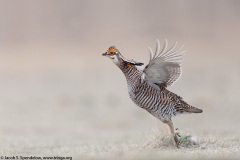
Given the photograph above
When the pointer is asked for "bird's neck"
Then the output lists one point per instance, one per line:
(131, 74)
(127, 68)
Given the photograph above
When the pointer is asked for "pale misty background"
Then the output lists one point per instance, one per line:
(55, 84)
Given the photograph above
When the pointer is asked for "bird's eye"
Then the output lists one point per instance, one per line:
(112, 53)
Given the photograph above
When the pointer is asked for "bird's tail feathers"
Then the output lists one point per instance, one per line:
(192, 109)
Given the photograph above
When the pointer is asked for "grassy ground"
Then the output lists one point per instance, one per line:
(155, 146)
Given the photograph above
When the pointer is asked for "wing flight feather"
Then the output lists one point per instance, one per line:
(164, 66)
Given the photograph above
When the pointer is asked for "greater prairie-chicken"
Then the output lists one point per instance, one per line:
(147, 87)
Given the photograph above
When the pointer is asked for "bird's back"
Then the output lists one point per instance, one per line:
(162, 103)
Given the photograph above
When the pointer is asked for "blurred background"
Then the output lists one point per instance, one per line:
(56, 85)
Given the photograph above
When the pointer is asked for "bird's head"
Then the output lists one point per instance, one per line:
(118, 59)
(113, 54)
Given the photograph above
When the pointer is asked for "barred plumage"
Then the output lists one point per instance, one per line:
(147, 88)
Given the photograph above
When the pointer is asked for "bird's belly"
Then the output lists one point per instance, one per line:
(151, 104)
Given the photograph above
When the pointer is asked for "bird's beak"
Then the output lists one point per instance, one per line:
(104, 54)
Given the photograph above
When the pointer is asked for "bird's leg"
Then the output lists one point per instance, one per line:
(175, 135)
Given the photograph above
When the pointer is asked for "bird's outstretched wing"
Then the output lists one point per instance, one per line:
(164, 66)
